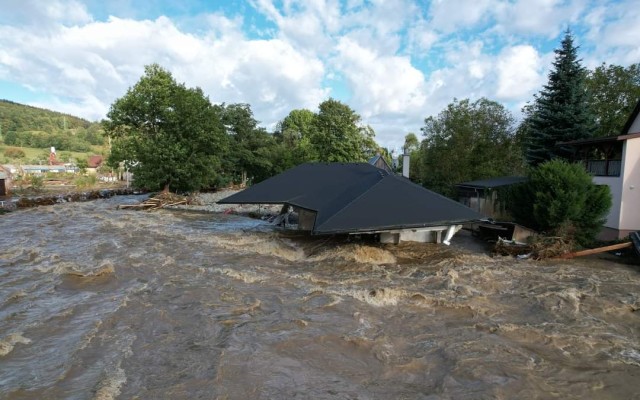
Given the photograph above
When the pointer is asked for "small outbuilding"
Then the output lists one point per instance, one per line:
(5, 181)
(483, 195)
(359, 198)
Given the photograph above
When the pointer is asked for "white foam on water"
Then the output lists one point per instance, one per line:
(109, 388)
(8, 343)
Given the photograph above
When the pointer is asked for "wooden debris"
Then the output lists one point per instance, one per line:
(541, 247)
(587, 252)
(161, 200)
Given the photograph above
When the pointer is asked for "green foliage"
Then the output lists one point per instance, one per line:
(467, 141)
(36, 182)
(293, 135)
(613, 93)
(337, 135)
(560, 197)
(28, 126)
(252, 147)
(13, 152)
(561, 111)
(170, 136)
(85, 181)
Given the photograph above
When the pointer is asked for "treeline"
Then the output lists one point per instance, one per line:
(171, 137)
(27, 126)
(472, 140)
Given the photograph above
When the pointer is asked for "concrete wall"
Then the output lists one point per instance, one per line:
(630, 204)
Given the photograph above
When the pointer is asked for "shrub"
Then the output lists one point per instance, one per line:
(85, 181)
(13, 152)
(37, 182)
(560, 198)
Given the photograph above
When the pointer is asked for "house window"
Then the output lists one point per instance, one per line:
(604, 167)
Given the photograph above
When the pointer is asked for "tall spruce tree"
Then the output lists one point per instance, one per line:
(561, 111)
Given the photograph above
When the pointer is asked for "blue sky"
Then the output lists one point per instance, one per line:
(394, 62)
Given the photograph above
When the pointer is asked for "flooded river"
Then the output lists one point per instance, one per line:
(100, 303)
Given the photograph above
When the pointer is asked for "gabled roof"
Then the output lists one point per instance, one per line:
(493, 182)
(355, 197)
(94, 161)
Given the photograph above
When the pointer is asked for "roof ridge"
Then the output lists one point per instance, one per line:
(353, 200)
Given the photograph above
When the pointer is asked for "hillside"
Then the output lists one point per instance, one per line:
(27, 126)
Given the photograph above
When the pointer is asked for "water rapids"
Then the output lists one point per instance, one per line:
(100, 303)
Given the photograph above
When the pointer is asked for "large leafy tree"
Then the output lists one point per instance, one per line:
(170, 135)
(560, 198)
(294, 135)
(337, 135)
(468, 141)
(250, 157)
(561, 111)
(613, 93)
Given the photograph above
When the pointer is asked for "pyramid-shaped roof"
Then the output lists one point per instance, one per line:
(355, 197)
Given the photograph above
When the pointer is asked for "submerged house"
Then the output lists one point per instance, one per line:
(359, 198)
(615, 161)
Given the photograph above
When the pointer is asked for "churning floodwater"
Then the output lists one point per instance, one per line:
(101, 303)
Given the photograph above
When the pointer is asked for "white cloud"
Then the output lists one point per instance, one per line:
(89, 66)
(397, 61)
(520, 72)
(450, 15)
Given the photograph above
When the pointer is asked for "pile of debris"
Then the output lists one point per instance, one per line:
(541, 247)
(161, 200)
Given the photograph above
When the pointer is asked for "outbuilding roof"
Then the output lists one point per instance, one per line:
(355, 197)
(493, 182)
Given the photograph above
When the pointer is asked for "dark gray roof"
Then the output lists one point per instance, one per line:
(493, 182)
(355, 197)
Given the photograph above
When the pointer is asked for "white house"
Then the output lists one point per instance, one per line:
(615, 161)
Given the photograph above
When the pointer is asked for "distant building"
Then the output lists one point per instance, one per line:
(42, 169)
(615, 161)
(380, 162)
(93, 163)
(5, 181)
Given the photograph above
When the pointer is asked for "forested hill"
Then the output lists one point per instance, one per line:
(22, 125)
(19, 117)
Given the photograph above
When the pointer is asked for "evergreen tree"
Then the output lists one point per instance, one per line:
(561, 111)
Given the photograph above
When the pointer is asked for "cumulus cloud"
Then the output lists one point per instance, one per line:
(394, 63)
(91, 65)
(520, 72)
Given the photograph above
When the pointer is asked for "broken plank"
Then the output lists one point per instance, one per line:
(596, 250)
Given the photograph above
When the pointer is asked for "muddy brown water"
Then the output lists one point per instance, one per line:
(100, 303)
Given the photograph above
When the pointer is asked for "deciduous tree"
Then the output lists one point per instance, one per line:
(337, 135)
(613, 91)
(170, 135)
(468, 141)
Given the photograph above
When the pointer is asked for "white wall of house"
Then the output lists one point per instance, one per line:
(615, 184)
(630, 187)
